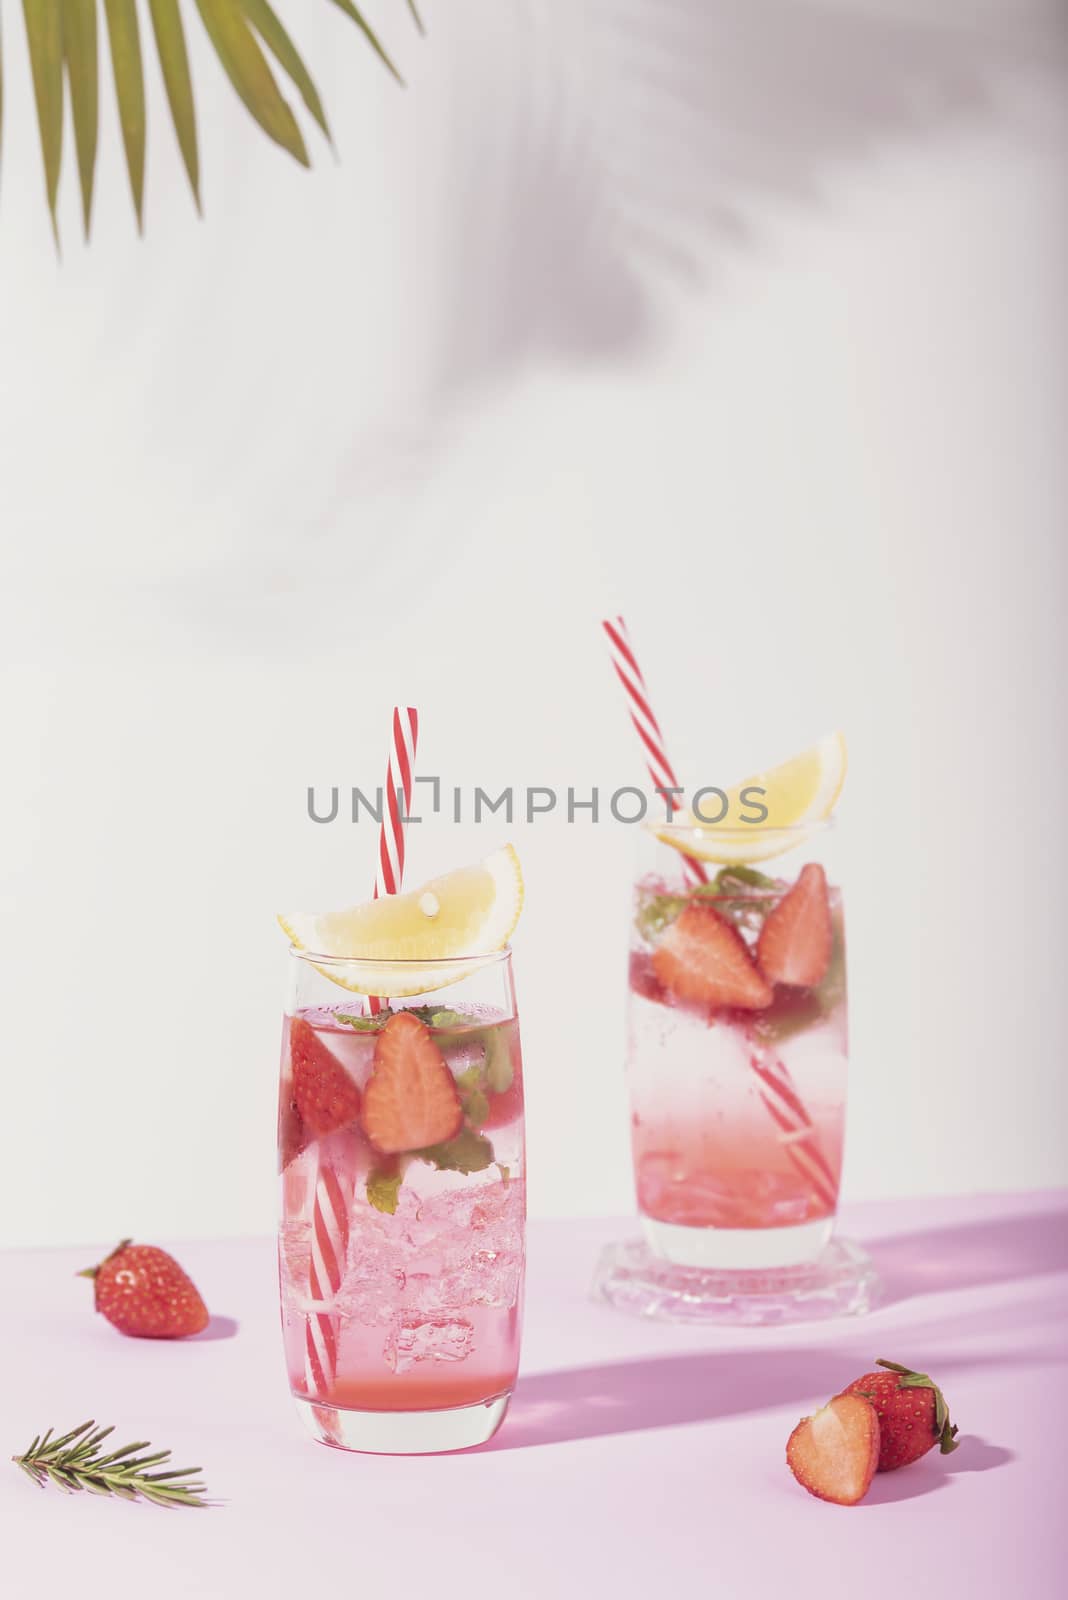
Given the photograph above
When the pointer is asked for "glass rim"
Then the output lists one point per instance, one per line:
(405, 963)
(734, 830)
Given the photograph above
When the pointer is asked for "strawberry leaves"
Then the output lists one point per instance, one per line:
(907, 1379)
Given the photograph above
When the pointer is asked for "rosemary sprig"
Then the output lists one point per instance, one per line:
(74, 1462)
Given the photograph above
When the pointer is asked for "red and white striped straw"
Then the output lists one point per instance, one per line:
(400, 778)
(400, 775)
(647, 728)
(797, 1132)
(784, 1105)
(333, 1191)
(329, 1248)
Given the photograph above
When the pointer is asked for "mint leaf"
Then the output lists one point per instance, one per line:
(742, 895)
(468, 1152)
(449, 1019)
(497, 1065)
(735, 878)
(422, 1013)
(493, 1074)
(472, 1096)
(440, 1017)
(657, 912)
(833, 988)
(790, 1013)
(383, 1190)
(363, 1024)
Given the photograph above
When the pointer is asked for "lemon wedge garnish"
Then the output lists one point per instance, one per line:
(455, 919)
(799, 794)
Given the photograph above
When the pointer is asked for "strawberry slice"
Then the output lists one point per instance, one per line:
(643, 980)
(795, 942)
(291, 1136)
(834, 1453)
(324, 1096)
(411, 1100)
(704, 959)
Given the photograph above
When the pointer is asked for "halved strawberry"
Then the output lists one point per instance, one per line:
(324, 1095)
(291, 1136)
(703, 958)
(834, 1453)
(795, 942)
(643, 980)
(411, 1100)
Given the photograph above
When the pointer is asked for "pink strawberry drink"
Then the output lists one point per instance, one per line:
(736, 1059)
(402, 1287)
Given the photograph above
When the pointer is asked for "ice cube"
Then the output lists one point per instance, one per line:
(495, 1278)
(741, 1198)
(371, 1298)
(414, 1338)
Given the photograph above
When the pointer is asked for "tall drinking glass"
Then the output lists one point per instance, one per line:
(401, 1271)
(737, 1048)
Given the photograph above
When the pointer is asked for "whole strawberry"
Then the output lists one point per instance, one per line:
(143, 1291)
(913, 1415)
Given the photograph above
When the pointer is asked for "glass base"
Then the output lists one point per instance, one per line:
(733, 1248)
(841, 1283)
(403, 1433)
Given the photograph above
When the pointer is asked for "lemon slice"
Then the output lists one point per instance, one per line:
(454, 919)
(799, 794)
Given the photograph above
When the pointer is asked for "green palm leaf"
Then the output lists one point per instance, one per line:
(282, 48)
(369, 34)
(79, 53)
(125, 37)
(44, 35)
(174, 64)
(246, 67)
(62, 37)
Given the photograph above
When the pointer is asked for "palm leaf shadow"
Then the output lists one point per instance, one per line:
(640, 142)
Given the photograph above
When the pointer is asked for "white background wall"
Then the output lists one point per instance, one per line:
(746, 320)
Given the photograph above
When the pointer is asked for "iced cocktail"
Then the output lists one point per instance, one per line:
(736, 1051)
(401, 1244)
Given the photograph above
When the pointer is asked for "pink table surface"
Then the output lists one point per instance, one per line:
(644, 1458)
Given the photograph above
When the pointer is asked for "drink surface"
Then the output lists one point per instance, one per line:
(737, 1081)
(427, 1314)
